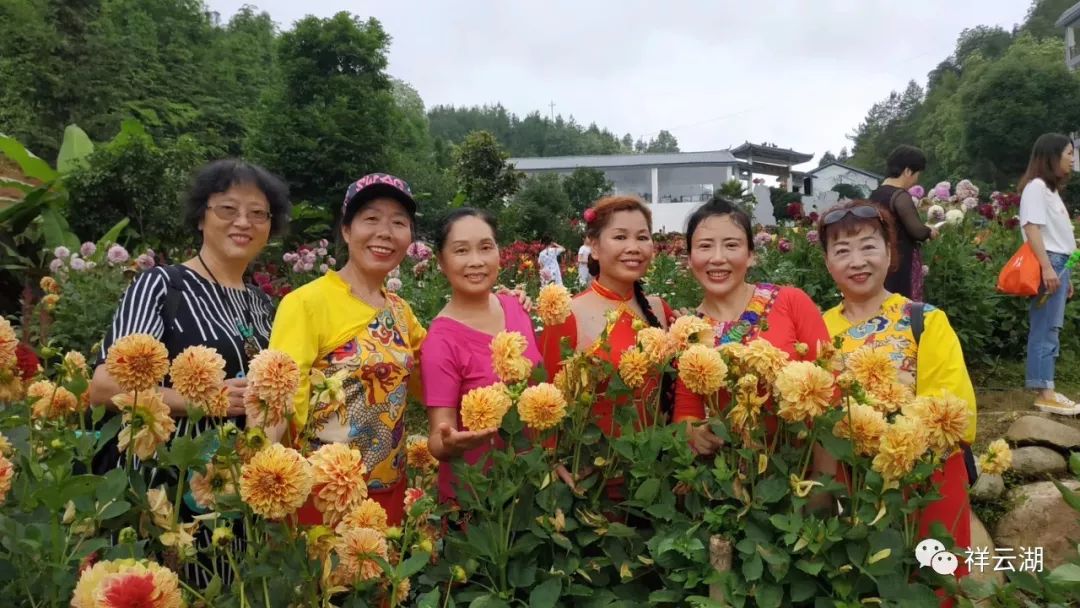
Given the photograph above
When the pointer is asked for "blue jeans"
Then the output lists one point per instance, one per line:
(1046, 319)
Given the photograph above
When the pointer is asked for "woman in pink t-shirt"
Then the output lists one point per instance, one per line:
(456, 355)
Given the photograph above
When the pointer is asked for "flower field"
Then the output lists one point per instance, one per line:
(223, 517)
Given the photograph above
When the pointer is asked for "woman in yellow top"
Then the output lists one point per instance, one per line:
(859, 242)
(345, 321)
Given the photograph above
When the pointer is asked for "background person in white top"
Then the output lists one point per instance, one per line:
(583, 254)
(1049, 229)
(549, 261)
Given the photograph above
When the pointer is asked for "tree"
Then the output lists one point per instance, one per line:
(327, 123)
(483, 173)
(584, 186)
(664, 142)
(826, 158)
(539, 209)
(844, 156)
(1008, 103)
(1041, 16)
(988, 42)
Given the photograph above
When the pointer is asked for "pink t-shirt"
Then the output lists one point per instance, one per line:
(456, 358)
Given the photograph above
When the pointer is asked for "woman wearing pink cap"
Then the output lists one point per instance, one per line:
(347, 321)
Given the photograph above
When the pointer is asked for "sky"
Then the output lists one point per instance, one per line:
(797, 73)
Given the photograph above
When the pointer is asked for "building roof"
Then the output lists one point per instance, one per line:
(601, 161)
(1069, 16)
(849, 168)
(768, 153)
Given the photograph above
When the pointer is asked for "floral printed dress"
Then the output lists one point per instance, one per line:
(373, 353)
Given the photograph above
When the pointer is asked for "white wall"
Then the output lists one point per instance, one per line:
(671, 217)
(828, 177)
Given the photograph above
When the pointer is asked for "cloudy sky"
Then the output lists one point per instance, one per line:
(715, 73)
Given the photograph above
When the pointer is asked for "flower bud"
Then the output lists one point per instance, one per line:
(222, 537)
(459, 574)
(393, 533)
(128, 536)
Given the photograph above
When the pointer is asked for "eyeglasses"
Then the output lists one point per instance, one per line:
(230, 213)
(866, 212)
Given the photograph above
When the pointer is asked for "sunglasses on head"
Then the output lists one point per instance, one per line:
(866, 212)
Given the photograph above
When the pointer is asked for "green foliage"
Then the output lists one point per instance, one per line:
(850, 191)
(329, 119)
(584, 186)
(135, 177)
(984, 105)
(483, 173)
(540, 209)
(534, 135)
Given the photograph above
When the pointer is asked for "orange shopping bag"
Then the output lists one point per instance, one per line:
(1022, 275)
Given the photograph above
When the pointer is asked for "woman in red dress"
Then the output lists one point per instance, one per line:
(618, 229)
(721, 248)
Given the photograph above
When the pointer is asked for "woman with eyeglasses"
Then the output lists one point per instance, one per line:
(721, 249)
(233, 208)
(859, 243)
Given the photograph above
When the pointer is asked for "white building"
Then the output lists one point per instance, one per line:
(825, 177)
(674, 183)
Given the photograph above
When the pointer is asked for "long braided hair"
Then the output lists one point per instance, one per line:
(597, 218)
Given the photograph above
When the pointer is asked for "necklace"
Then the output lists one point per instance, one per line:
(753, 320)
(246, 330)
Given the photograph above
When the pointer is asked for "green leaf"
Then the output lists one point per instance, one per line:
(56, 230)
(546, 594)
(488, 601)
(429, 599)
(1064, 575)
(647, 492)
(115, 509)
(771, 490)
(1074, 463)
(753, 568)
(1072, 498)
(769, 595)
(30, 165)
(414, 564)
(74, 149)
(110, 237)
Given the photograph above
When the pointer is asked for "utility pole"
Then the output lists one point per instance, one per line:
(552, 105)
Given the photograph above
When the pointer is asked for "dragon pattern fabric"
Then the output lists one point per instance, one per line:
(379, 362)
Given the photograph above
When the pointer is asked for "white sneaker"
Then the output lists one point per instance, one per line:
(1057, 407)
(1062, 399)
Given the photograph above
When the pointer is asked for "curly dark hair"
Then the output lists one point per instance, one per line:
(220, 175)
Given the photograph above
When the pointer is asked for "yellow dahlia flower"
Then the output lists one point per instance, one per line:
(945, 418)
(804, 390)
(553, 304)
(338, 480)
(702, 369)
(126, 583)
(890, 397)
(356, 550)
(216, 481)
(508, 357)
(8, 343)
(996, 460)
(198, 374)
(273, 378)
(764, 359)
(872, 367)
(690, 329)
(160, 507)
(75, 364)
(276, 481)
(864, 426)
(418, 454)
(137, 362)
(542, 406)
(483, 408)
(51, 402)
(656, 344)
(366, 514)
(149, 417)
(633, 367)
(902, 444)
(49, 285)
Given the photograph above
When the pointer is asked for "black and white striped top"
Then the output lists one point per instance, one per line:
(208, 315)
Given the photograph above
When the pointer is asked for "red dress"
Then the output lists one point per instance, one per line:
(621, 336)
(788, 317)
